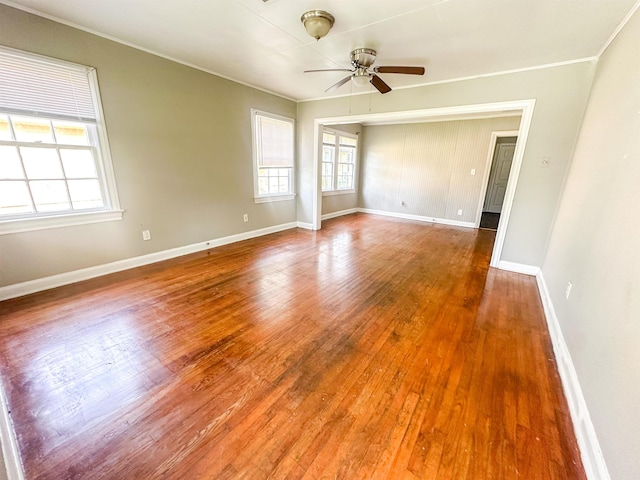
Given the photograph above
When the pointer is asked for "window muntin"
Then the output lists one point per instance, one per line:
(47, 166)
(338, 172)
(328, 160)
(273, 146)
(55, 168)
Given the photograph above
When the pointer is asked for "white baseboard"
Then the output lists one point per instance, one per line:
(339, 213)
(420, 218)
(592, 458)
(519, 268)
(305, 225)
(10, 453)
(32, 286)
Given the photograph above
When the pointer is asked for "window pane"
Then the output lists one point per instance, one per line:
(284, 172)
(328, 138)
(327, 168)
(348, 141)
(85, 194)
(14, 198)
(326, 182)
(10, 166)
(344, 182)
(70, 133)
(5, 131)
(49, 195)
(273, 184)
(345, 169)
(347, 155)
(327, 153)
(263, 186)
(78, 163)
(284, 184)
(41, 162)
(29, 129)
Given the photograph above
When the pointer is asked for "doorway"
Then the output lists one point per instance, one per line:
(497, 185)
(524, 107)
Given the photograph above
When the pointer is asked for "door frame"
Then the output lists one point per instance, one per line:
(493, 143)
(523, 107)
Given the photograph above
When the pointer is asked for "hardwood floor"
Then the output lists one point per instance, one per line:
(374, 348)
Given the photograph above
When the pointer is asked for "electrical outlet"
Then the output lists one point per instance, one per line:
(146, 235)
(473, 171)
(460, 212)
(245, 217)
(567, 292)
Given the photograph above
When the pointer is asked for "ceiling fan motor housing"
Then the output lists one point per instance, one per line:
(363, 57)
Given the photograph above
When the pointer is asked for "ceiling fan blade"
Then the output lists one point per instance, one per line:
(377, 82)
(329, 70)
(339, 84)
(405, 70)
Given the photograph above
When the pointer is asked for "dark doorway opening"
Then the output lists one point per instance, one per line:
(489, 220)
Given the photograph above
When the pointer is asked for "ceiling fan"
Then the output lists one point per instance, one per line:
(362, 59)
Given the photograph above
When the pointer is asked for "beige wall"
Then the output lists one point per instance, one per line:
(181, 147)
(596, 245)
(560, 93)
(428, 166)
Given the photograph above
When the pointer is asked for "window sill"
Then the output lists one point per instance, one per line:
(56, 221)
(330, 193)
(274, 198)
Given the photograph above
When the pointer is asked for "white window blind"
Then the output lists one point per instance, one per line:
(274, 142)
(31, 85)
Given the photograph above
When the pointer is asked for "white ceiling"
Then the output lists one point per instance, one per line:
(263, 44)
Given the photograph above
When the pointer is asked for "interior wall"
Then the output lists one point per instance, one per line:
(594, 245)
(424, 169)
(560, 92)
(180, 142)
(345, 201)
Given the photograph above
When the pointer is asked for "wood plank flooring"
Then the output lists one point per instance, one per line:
(375, 348)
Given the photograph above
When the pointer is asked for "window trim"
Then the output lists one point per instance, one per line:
(56, 221)
(112, 210)
(342, 191)
(274, 197)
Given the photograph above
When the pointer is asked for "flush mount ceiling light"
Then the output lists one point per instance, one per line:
(317, 23)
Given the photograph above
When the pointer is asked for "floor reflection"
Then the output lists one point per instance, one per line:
(87, 373)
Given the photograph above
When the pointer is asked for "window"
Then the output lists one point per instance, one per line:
(54, 164)
(338, 171)
(273, 147)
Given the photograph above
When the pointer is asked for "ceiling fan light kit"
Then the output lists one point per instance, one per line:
(362, 59)
(317, 23)
(361, 79)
